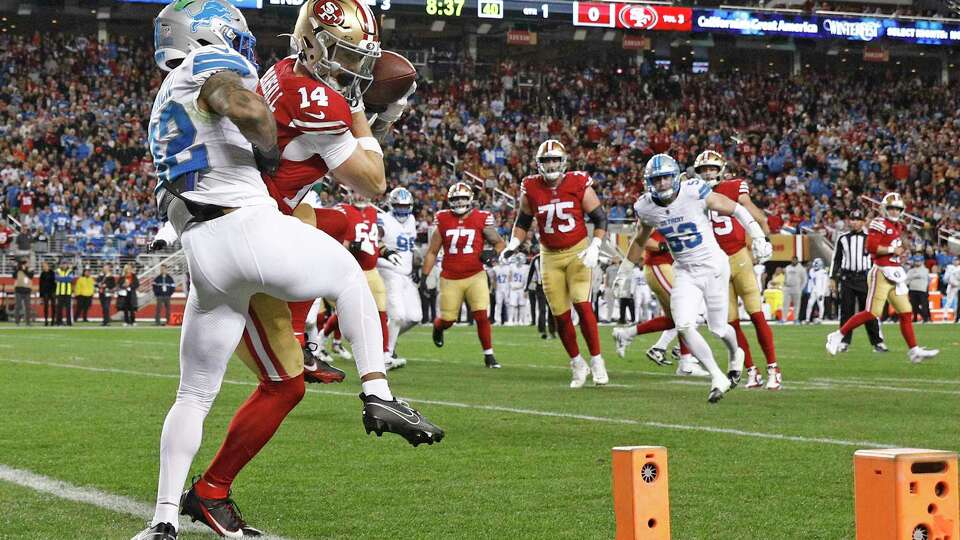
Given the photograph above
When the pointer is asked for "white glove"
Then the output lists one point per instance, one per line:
(510, 250)
(395, 109)
(762, 250)
(356, 104)
(591, 256)
(621, 284)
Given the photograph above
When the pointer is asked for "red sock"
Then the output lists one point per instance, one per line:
(906, 328)
(742, 342)
(684, 350)
(385, 331)
(588, 326)
(484, 330)
(568, 336)
(859, 319)
(658, 324)
(331, 324)
(252, 426)
(298, 318)
(321, 318)
(337, 336)
(764, 336)
(442, 324)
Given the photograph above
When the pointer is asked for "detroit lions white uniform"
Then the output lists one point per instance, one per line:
(701, 270)
(501, 274)
(403, 298)
(518, 292)
(642, 296)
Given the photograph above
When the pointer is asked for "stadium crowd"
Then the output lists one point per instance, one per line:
(75, 164)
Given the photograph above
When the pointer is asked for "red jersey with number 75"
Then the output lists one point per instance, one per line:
(559, 209)
(313, 125)
(462, 238)
(362, 227)
(729, 233)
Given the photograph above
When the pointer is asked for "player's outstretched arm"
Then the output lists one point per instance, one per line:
(761, 247)
(223, 93)
(493, 238)
(520, 228)
(363, 171)
(755, 211)
(430, 257)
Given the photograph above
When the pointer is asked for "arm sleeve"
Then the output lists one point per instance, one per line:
(743, 216)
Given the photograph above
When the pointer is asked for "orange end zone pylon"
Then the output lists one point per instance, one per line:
(641, 494)
(906, 494)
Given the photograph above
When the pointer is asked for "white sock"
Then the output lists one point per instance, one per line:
(665, 338)
(488, 351)
(729, 337)
(699, 348)
(630, 331)
(179, 442)
(377, 387)
(597, 358)
(394, 329)
(360, 324)
(578, 360)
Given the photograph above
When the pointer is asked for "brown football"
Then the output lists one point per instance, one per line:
(392, 77)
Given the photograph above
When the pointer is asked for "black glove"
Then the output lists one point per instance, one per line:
(663, 247)
(355, 247)
(157, 245)
(415, 276)
(489, 258)
(268, 161)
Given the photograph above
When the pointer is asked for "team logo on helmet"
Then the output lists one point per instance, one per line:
(209, 11)
(330, 13)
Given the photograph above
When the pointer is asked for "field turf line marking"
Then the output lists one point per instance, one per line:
(91, 496)
(516, 410)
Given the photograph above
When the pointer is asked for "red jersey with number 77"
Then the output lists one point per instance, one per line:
(462, 238)
(362, 227)
(729, 233)
(559, 209)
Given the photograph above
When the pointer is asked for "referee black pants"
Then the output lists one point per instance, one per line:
(853, 299)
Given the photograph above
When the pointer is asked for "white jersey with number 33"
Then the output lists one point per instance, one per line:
(685, 224)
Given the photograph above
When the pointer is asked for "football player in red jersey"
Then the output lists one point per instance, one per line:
(560, 200)
(732, 237)
(316, 99)
(886, 281)
(461, 231)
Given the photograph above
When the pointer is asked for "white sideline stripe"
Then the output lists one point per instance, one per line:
(91, 496)
(951, 382)
(528, 412)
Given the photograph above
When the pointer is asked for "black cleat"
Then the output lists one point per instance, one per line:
(437, 336)
(318, 371)
(734, 377)
(396, 416)
(656, 356)
(221, 515)
(675, 352)
(715, 395)
(491, 361)
(160, 531)
(881, 347)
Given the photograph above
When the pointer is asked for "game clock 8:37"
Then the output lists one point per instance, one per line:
(445, 8)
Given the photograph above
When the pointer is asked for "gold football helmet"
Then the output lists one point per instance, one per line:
(893, 206)
(460, 198)
(338, 41)
(551, 160)
(709, 158)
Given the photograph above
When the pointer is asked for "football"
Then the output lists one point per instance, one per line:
(392, 76)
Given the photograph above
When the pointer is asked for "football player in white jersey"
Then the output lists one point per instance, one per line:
(518, 291)
(209, 133)
(678, 210)
(501, 307)
(395, 264)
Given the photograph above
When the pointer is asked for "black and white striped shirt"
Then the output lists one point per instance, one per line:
(850, 254)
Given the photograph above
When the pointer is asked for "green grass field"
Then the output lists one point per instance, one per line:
(524, 456)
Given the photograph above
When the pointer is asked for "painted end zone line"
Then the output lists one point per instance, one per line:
(529, 412)
(91, 496)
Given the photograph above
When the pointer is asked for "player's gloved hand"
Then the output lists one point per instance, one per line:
(395, 110)
(268, 161)
(664, 247)
(415, 276)
(356, 103)
(157, 245)
(366, 246)
(762, 250)
(391, 256)
(591, 256)
(510, 250)
(621, 284)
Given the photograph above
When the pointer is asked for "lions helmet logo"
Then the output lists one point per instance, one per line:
(330, 13)
(209, 11)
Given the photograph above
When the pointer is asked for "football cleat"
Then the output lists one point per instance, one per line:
(754, 380)
(396, 416)
(394, 362)
(580, 371)
(160, 531)
(720, 387)
(341, 351)
(774, 379)
(221, 515)
(844, 346)
(834, 339)
(437, 336)
(675, 352)
(918, 354)
(622, 340)
(881, 347)
(735, 367)
(691, 368)
(658, 357)
(491, 361)
(598, 370)
(318, 371)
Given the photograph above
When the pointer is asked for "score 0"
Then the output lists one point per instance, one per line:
(594, 14)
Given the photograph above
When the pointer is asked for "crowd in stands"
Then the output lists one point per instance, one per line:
(74, 165)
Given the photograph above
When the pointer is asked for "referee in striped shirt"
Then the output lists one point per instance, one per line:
(851, 263)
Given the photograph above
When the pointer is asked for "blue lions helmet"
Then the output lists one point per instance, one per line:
(817, 263)
(185, 25)
(662, 166)
(401, 202)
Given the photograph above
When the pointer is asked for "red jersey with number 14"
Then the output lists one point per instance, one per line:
(462, 238)
(362, 227)
(559, 210)
(884, 233)
(729, 233)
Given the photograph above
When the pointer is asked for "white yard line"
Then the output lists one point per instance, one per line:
(952, 382)
(91, 496)
(515, 410)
